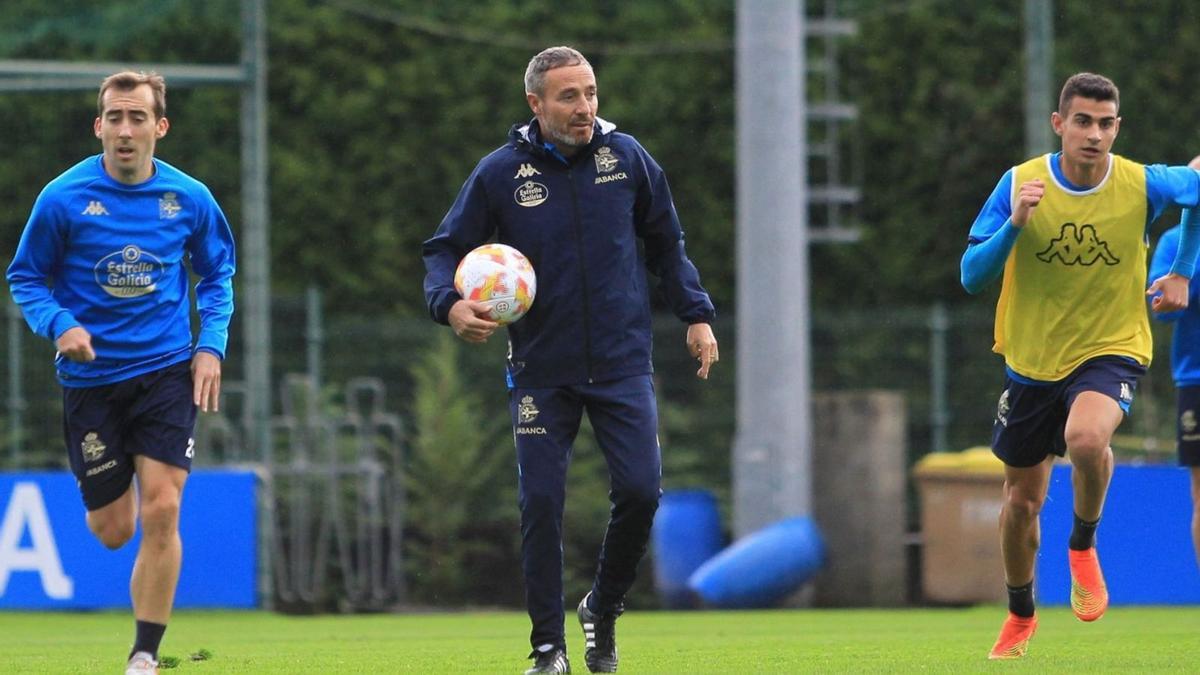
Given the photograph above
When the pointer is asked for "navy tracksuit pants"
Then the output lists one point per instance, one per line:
(624, 416)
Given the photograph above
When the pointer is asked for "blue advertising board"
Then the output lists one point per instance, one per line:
(1144, 541)
(50, 560)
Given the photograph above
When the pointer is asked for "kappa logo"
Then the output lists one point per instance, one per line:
(95, 208)
(527, 171)
(93, 448)
(168, 206)
(1078, 246)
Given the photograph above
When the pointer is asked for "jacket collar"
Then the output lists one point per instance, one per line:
(528, 137)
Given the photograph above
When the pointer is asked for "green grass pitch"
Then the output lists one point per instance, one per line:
(1143, 639)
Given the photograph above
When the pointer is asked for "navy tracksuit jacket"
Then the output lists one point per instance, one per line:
(585, 343)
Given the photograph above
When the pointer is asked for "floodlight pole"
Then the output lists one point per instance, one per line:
(772, 454)
(254, 261)
(1039, 63)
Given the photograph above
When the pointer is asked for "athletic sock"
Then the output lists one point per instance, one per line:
(149, 635)
(1020, 600)
(1083, 534)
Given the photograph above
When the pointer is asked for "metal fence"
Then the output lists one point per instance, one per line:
(333, 498)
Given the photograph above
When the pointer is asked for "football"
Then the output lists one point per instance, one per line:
(500, 277)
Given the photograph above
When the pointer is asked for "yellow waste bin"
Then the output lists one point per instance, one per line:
(961, 495)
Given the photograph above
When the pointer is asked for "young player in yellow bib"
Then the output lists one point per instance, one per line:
(1068, 233)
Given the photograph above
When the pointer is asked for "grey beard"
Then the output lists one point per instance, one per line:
(564, 139)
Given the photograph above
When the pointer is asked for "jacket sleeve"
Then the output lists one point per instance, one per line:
(211, 249)
(39, 254)
(467, 224)
(658, 226)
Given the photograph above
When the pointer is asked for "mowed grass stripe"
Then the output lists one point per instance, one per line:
(1128, 639)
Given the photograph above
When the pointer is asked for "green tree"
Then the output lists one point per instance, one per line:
(461, 516)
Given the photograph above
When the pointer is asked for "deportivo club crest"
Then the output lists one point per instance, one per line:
(605, 161)
(168, 206)
(1187, 421)
(93, 448)
(527, 411)
(1002, 409)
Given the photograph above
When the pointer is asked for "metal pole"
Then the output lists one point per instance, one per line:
(16, 395)
(255, 263)
(772, 454)
(939, 413)
(314, 337)
(1039, 64)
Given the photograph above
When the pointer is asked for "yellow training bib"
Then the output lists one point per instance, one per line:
(1074, 283)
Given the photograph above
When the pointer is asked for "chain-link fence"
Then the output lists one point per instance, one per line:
(334, 494)
(938, 356)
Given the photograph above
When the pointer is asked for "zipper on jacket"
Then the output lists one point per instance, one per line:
(587, 329)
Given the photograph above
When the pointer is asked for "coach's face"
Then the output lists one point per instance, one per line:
(566, 108)
(128, 130)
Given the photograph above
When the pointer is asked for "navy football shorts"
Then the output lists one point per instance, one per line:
(105, 426)
(1031, 419)
(1187, 425)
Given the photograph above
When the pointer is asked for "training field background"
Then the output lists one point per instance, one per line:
(1146, 639)
(378, 110)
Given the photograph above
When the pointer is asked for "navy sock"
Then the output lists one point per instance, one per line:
(1020, 600)
(1083, 534)
(149, 635)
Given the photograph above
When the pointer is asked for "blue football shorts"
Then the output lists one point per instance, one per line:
(1187, 425)
(1031, 419)
(151, 414)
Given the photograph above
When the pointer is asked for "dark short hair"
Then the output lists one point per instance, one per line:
(549, 59)
(1088, 85)
(128, 80)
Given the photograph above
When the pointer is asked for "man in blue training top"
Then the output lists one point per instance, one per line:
(1185, 367)
(102, 271)
(1068, 232)
(576, 196)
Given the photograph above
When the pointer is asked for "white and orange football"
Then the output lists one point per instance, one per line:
(500, 277)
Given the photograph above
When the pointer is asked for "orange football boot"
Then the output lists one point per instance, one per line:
(1089, 595)
(1014, 637)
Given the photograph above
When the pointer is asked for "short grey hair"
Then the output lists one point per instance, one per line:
(549, 59)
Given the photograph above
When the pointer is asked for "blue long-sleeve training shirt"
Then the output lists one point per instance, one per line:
(1185, 343)
(993, 234)
(110, 257)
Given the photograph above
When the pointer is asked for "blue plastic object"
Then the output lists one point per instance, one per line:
(1144, 540)
(763, 568)
(687, 532)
